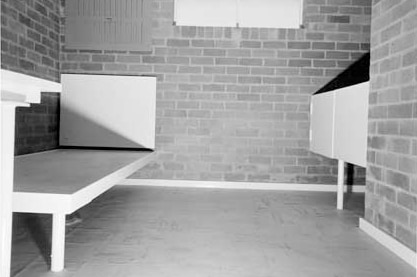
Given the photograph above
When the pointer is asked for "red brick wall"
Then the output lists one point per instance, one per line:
(30, 45)
(391, 195)
(233, 104)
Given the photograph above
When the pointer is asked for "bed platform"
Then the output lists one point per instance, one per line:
(61, 181)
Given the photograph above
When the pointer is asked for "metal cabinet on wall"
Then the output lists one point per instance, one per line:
(108, 24)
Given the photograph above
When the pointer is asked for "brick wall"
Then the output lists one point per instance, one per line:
(30, 45)
(30, 37)
(37, 126)
(391, 191)
(233, 104)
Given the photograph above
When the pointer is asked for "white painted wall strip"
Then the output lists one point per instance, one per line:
(235, 185)
(392, 244)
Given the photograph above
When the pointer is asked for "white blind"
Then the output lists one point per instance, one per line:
(243, 13)
(206, 13)
(270, 13)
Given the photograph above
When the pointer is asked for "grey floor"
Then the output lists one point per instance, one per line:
(161, 232)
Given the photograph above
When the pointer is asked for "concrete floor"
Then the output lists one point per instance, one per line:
(158, 232)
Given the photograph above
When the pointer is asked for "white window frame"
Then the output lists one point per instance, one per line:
(238, 18)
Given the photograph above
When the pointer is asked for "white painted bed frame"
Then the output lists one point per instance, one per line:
(51, 182)
(61, 181)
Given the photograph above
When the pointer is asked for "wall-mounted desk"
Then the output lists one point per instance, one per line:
(339, 120)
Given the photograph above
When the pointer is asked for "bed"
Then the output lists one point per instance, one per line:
(107, 132)
(61, 181)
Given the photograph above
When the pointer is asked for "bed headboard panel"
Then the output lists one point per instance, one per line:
(108, 111)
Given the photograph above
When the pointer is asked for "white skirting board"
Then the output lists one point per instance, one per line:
(235, 185)
(392, 244)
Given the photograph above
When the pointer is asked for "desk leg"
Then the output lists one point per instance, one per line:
(340, 184)
(6, 185)
(58, 242)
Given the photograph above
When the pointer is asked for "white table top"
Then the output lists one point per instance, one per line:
(66, 171)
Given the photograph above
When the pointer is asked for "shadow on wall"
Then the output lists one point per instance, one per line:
(356, 73)
(85, 132)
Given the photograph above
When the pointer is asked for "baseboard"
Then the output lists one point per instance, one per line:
(392, 244)
(235, 185)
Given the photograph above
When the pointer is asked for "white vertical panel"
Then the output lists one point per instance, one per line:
(322, 124)
(206, 13)
(351, 124)
(108, 111)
